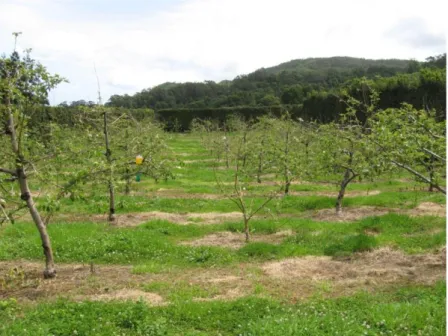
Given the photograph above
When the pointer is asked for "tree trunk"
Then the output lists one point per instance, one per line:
(259, 171)
(111, 216)
(260, 162)
(127, 189)
(245, 154)
(431, 174)
(286, 168)
(25, 194)
(50, 271)
(287, 185)
(227, 155)
(341, 193)
(246, 229)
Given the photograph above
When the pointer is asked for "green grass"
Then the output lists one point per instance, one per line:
(413, 310)
(156, 242)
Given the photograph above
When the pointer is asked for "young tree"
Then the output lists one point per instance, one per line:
(344, 151)
(262, 145)
(143, 138)
(239, 190)
(289, 150)
(24, 83)
(412, 140)
(345, 147)
(236, 181)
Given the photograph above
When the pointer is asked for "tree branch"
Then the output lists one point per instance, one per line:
(416, 173)
(8, 171)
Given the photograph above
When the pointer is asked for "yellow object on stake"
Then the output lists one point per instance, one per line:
(139, 160)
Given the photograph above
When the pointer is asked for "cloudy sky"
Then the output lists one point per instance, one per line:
(138, 44)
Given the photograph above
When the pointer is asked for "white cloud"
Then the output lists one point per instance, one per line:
(196, 40)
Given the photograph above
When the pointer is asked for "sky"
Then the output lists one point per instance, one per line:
(138, 44)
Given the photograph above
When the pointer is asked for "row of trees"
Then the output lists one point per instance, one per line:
(363, 143)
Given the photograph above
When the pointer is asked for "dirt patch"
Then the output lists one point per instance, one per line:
(348, 214)
(428, 209)
(292, 279)
(125, 295)
(134, 219)
(23, 279)
(237, 240)
(198, 160)
(354, 193)
(177, 193)
(231, 294)
(380, 266)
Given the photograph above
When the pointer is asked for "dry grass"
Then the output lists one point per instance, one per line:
(290, 279)
(428, 209)
(348, 214)
(384, 265)
(125, 295)
(236, 240)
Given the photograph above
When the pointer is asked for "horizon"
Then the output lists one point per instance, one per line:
(143, 44)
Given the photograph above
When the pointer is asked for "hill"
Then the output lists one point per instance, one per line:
(265, 86)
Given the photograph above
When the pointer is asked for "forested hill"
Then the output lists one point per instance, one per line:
(266, 86)
(309, 89)
(350, 65)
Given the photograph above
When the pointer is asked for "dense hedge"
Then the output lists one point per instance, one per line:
(180, 119)
(73, 116)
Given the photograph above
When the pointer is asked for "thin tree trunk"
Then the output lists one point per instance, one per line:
(286, 170)
(111, 217)
(259, 169)
(227, 154)
(246, 229)
(25, 194)
(128, 181)
(341, 193)
(345, 181)
(49, 271)
(431, 174)
(287, 185)
(260, 162)
(245, 154)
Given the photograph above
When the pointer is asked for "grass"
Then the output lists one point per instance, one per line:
(154, 249)
(156, 242)
(412, 310)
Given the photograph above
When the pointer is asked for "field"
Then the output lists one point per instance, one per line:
(176, 262)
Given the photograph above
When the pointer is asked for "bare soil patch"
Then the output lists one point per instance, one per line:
(125, 295)
(178, 193)
(198, 160)
(348, 214)
(236, 240)
(353, 193)
(384, 265)
(23, 279)
(134, 219)
(293, 278)
(428, 209)
(175, 193)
